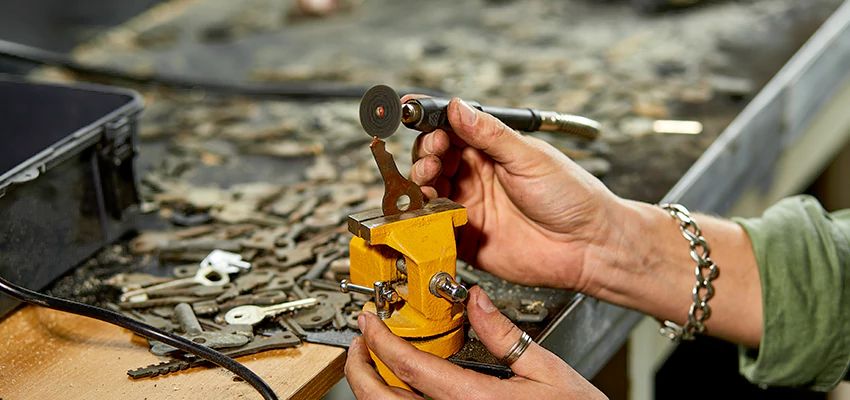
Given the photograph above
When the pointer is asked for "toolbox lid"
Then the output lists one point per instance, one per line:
(42, 124)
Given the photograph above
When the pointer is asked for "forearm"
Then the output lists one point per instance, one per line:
(645, 265)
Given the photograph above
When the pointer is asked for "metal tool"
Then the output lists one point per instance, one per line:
(207, 276)
(413, 249)
(379, 106)
(252, 315)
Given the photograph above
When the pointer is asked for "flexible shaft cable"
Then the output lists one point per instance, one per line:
(141, 329)
(301, 90)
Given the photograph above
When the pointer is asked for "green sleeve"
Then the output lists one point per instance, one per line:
(803, 254)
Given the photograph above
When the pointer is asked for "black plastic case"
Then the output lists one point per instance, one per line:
(67, 176)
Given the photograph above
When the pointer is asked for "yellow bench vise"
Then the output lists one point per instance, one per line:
(405, 259)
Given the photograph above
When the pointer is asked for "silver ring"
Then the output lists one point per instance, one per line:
(516, 351)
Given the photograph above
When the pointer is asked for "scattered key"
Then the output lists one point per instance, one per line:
(225, 261)
(252, 315)
(315, 317)
(193, 331)
(207, 276)
(335, 300)
(277, 341)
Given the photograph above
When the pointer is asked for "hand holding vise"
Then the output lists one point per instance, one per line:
(405, 257)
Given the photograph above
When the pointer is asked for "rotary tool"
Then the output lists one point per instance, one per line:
(381, 112)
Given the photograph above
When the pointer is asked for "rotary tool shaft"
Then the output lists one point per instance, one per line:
(428, 114)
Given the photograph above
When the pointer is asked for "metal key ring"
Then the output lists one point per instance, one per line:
(518, 348)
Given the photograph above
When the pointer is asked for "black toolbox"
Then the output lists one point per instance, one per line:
(67, 177)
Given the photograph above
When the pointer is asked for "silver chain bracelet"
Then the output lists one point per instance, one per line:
(703, 289)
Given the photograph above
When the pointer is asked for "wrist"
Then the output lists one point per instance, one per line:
(643, 262)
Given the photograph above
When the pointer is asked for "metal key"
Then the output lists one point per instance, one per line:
(252, 315)
(161, 302)
(299, 292)
(246, 283)
(332, 338)
(303, 251)
(152, 320)
(321, 284)
(289, 323)
(265, 239)
(207, 276)
(315, 317)
(323, 261)
(193, 331)
(277, 341)
(335, 300)
(284, 280)
(199, 245)
(225, 261)
(198, 291)
(134, 280)
(351, 319)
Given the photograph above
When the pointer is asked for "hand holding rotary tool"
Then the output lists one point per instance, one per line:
(535, 218)
(405, 257)
(381, 112)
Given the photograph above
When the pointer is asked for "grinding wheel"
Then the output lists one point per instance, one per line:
(380, 111)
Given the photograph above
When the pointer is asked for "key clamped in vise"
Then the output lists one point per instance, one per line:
(404, 257)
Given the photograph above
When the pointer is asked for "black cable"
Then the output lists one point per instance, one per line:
(310, 90)
(141, 329)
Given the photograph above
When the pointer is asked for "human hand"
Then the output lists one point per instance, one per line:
(535, 216)
(539, 373)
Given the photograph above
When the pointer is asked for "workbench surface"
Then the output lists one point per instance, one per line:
(598, 60)
(49, 354)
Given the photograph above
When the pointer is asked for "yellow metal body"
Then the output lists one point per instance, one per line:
(426, 240)
(442, 346)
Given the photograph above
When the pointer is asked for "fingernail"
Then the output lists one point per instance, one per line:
(354, 343)
(361, 322)
(428, 144)
(467, 114)
(420, 168)
(484, 302)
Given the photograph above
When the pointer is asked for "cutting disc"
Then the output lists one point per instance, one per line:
(380, 111)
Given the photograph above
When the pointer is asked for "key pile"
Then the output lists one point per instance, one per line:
(226, 303)
(259, 270)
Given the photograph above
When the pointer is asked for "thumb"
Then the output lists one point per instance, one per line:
(499, 334)
(490, 135)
